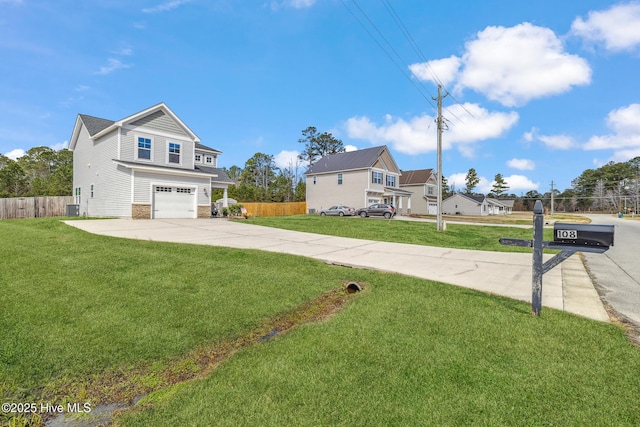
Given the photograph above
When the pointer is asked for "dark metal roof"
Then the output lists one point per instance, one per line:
(359, 159)
(418, 176)
(95, 124)
(205, 148)
(222, 175)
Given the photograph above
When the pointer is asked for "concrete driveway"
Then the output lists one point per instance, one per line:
(567, 288)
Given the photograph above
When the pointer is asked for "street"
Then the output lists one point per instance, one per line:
(617, 273)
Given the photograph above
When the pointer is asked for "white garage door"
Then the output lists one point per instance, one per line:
(174, 202)
(433, 209)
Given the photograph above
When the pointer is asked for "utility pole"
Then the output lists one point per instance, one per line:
(439, 121)
(552, 195)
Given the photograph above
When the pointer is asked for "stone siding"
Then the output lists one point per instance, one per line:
(140, 211)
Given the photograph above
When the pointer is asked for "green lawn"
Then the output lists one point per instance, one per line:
(93, 318)
(460, 236)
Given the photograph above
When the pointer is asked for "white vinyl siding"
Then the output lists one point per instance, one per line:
(93, 165)
(162, 122)
(144, 181)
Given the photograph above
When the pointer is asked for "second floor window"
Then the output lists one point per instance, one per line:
(391, 181)
(174, 152)
(430, 190)
(144, 148)
(376, 177)
(199, 158)
(339, 179)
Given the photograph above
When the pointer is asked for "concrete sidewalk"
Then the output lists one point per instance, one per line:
(567, 288)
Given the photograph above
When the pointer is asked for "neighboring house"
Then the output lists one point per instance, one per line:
(423, 186)
(147, 165)
(464, 204)
(355, 178)
(500, 206)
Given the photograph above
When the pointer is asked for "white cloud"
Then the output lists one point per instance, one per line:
(350, 148)
(617, 27)
(286, 158)
(515, 183)
(557, 142)
(296, 4)
(625, 139)
(519, 183)
(112, 65)
(456, 181)
(15, 153)
(418, 134)
(442, 71)
(554, 142)
(165, 7)
(521, 164)
(625, 155)
(515, 65)
(60, 146)
(125, 51)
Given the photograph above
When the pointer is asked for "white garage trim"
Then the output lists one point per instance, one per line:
(169, 200)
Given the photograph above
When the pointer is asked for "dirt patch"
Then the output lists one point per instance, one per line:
(122, 389)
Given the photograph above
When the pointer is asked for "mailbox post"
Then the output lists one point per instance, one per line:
(568, 238)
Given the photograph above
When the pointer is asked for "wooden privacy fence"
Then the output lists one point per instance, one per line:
(275, 209)
(34, 207)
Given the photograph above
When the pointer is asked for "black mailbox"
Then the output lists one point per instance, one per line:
(583, 234)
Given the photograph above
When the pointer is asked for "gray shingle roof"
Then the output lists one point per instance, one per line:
(95, 124)
(358, 159)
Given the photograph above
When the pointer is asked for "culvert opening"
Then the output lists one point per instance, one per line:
(353, 287)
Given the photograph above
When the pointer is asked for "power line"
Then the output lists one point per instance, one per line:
(402, 68)
(416, 48)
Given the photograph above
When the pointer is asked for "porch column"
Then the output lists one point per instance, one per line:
(225, 201)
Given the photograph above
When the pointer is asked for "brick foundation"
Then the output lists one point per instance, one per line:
(139, 211)
(204, 211)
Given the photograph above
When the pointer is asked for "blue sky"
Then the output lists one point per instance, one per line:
(539, 90)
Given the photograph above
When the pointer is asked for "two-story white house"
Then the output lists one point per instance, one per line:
(355, 178)
(146, 165)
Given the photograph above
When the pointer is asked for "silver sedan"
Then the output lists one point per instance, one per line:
(339, 210)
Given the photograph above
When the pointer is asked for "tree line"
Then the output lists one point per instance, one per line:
(261, 180)
(41, 171)
(613, 187)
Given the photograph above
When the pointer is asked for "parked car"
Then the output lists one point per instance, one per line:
(380, 209)
(338, 210)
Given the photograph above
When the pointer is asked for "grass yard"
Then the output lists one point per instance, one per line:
(79, 310)
(477, 237)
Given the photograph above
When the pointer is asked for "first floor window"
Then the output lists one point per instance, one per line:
(174, 152)
(92, 191)
(339, 179)
(77, 195)
(144, 148)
